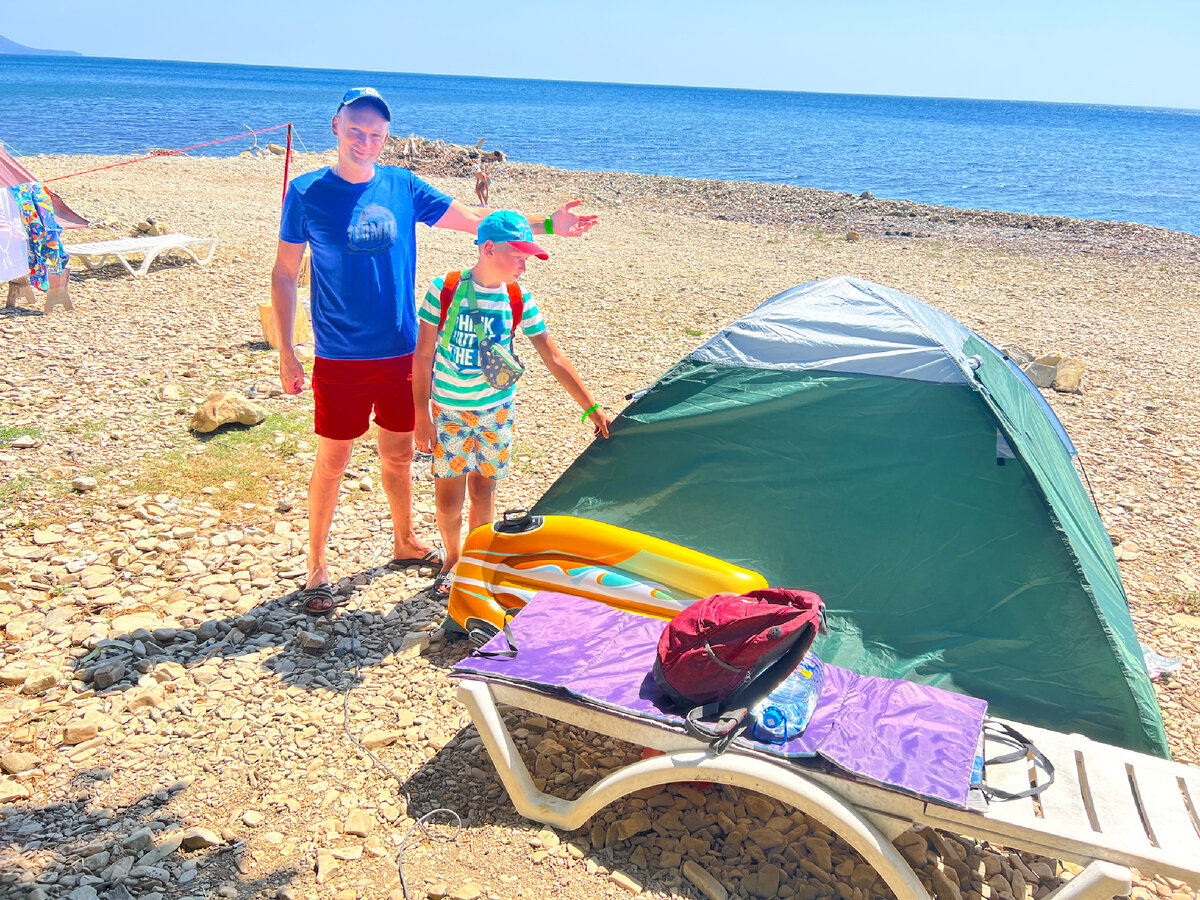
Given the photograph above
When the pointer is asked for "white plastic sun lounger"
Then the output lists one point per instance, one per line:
(1108, 809)
(96, 253)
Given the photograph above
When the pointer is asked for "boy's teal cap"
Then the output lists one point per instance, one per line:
(507, 227)
(367, 95)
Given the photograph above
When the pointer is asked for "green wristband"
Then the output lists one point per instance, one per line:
(587, 412)
(549, 225)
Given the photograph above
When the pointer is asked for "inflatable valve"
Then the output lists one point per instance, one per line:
(517, 521)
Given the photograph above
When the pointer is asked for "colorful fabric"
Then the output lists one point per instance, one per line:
(46, 254)
(362, 240)
(458, 382)
(472, 441)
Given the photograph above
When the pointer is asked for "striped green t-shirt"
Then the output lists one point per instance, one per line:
(457, 379)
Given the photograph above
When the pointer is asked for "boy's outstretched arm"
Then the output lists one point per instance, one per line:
(422, 376)
(564, 222)
(563, 370)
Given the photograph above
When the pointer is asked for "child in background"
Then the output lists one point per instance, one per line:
(463, 396)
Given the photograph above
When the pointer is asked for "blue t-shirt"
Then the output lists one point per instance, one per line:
(361, 238)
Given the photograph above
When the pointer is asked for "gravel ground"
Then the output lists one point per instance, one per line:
(172, 726)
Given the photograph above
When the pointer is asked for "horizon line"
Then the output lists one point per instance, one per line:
(153, 59)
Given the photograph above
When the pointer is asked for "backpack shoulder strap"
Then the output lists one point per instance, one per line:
(449, 286)
(516, 301)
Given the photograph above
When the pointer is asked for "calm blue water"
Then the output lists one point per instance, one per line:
(1086, 161)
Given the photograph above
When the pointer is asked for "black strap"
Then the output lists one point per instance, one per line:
(1004, 733)
(730, 723)
(480, 636)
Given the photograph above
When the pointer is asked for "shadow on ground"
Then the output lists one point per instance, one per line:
(93, 843)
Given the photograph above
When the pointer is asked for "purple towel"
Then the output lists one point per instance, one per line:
(917, 739)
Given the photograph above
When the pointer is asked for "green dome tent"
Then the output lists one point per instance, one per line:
(847, 438)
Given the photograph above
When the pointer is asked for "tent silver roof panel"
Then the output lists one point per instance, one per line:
(846, 325)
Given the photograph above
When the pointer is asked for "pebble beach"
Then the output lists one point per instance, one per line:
(172, 725)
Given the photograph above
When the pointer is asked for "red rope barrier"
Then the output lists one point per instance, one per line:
(287, 159)
(173, 152)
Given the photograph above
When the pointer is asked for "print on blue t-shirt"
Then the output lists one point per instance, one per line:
(374, 231)
(362, 243)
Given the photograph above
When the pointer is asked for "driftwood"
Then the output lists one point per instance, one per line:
(427, 157)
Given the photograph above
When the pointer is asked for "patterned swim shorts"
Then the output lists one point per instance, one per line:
(472, 441)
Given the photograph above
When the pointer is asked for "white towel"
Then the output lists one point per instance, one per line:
(14, 239)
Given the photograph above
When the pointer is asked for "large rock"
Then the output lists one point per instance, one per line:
(1069, 377)
(1041, 374)
(224, 408)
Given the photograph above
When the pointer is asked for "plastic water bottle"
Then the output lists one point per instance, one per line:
(786, 711)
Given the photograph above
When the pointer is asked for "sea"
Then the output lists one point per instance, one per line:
(1121, 163)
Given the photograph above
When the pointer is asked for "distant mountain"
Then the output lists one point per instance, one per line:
(12, 48)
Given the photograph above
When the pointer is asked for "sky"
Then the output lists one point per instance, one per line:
(1128, 53)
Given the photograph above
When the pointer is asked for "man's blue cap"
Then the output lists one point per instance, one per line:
(366, 95)
(507, 227)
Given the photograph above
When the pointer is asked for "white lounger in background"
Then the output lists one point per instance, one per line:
(94, 254)
(1108, 809)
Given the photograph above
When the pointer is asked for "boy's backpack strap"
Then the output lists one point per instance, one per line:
(450, 298)
(516, 302)
(449, 286)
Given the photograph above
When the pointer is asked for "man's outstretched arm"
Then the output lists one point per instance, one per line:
(563, 220)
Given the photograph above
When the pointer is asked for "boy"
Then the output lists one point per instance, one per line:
(469, 428)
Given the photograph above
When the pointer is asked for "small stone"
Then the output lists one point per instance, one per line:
(15, 763)
(139, 842)
(311, 641)
(767, 838)
(863, 877)
(704, 882)
(83, 483)
(635, 824)
(253, 818)
(11, 790)
(944, 887)
(326, 866)
(853, 237)
(14, 673)
(106, 675)
(820, 853)
(24, 442)
(40, 681)
(468, 890)
(373, 740)
(622, 880)
(1040, 374)
(359, 823)
(200, 839)
(170, 392)
(78, 732)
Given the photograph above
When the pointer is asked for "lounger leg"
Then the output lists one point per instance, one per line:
(735, 769)
(1098, 881)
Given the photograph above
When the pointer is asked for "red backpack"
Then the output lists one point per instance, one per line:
(450, 286)
(720, 656)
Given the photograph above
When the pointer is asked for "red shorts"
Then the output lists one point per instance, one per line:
(346, 390)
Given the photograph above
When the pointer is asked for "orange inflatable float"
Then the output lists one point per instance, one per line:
(505, 563)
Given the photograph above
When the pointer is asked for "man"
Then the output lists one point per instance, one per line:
(359, 220)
